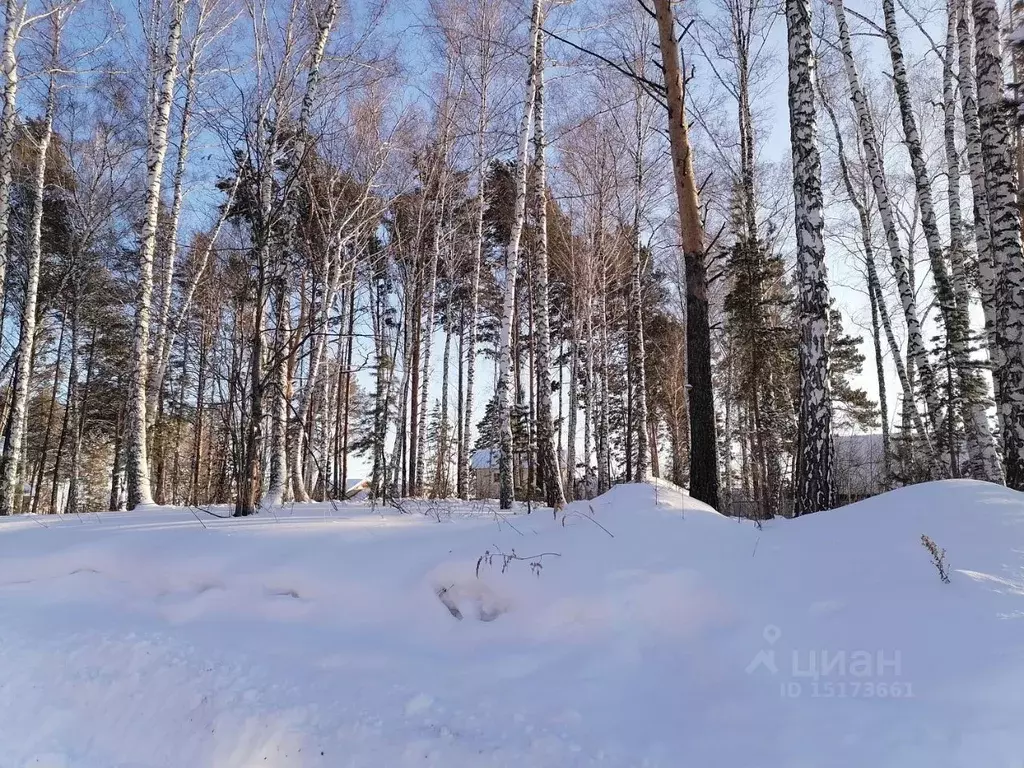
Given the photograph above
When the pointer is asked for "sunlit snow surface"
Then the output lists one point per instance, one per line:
(641, 629)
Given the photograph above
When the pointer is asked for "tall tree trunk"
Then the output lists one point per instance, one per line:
(10, 481)
(347, 383)
(704, 479)
(638, 347)
(136, 457)
(815, 480)
(37, 486)
(1004, 218)
(428, 330)
(480, 159)
(976, 164)
(460, 402)
(504, 394)
(550, 471)
(14, 13)
(955, 332)
(274, 496)
(883, 404)
(158, 369)
(879, 310)
(440, 488)
(276, 486)
(573, 405)
(983, 455)
(67, 423)
(604, 481)
(205, 338)
(79, 404)
(916, 350)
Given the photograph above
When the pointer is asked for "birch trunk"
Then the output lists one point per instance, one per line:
(10, 463)
(274, 496)
(916, 350)
(883, 404)
(982, 453)
(638, 352)
(301, 430)
(573, 405)
(976, 164)
(172, 327)
(474, 287)
(75, 421)
(440, 180)
(504, 394)
(878, 307)
(814, 481)
(956, 343)
(156, 379)
(440, 487)
(982, 223)
(136, 458)
(589, 428)
(279, 421)
(601, 414)
(1004, 220)
(427, 323)
(14, 13)
(550, 469)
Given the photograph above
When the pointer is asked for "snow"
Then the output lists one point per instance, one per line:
(640, 629)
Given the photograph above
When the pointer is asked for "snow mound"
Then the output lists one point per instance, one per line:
(639, 629)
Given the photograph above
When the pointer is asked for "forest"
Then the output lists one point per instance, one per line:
(251, 250)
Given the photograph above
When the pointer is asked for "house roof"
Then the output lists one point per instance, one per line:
(487, 458)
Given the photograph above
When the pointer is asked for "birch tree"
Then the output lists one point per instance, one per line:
(981, 445)
(953, 322)
(323, 20)
(814, 479)
(484, 54)
(879, 310)
(11, 469)
(916, 350)
(1004, 221)
(16, 20)
(551, 472)
(967, 86)
(504, 388)
(137, 461)
(638, 354)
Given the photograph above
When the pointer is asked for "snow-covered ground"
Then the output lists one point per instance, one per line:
(641, 630)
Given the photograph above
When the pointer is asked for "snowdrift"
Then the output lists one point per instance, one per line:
(641, 629)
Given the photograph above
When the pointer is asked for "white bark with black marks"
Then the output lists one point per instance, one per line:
(506, 460)
(1004, 220)
(815, 478)
(11, 463)
(953, 325)
(982, 451)
(916, 350)
(550, 465)
(136, 456)
(276, 485)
